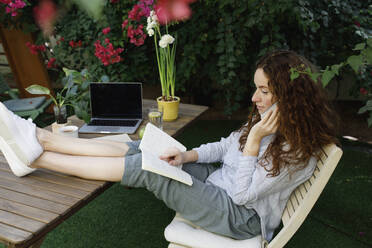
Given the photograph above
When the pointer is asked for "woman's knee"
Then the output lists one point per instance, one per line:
(133, 147)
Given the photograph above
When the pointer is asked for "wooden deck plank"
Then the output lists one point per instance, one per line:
(27, 211)
(54, 187)
(13, 235)
(70, 181)
(38, 192)
(57, 178)
(33, 201)
(20, 222)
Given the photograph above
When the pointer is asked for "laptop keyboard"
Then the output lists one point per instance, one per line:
(127, 123)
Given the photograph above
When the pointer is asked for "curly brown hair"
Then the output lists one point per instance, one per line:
(306, 120)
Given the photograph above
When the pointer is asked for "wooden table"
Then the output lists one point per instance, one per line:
(32, 206)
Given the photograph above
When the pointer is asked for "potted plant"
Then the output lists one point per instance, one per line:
(63, 98)
(165, 55)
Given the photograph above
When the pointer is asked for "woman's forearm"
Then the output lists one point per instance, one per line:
(189, 156)
(252, 146)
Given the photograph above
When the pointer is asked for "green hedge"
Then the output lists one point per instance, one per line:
(219, 44)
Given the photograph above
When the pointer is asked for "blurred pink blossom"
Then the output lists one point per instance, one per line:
(173, 10)
(45, 15)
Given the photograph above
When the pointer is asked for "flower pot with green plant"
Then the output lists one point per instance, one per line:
(60, 101)
(166, 59)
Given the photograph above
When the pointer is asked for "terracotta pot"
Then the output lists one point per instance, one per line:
(170, 108)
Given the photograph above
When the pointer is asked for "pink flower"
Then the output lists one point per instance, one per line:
(13, 6)
(363, 91)
(357, 24)
(106, 30)
(114, 1)
(124, 24)
(79, 43)
(108, 55)
(173, 10)
(34, 49)
(45, 15)
(72, 43)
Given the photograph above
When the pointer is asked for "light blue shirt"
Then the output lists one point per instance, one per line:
(246, 181)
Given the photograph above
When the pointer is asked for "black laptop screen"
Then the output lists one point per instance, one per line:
(116, 100)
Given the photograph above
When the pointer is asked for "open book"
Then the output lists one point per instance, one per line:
(153, 144)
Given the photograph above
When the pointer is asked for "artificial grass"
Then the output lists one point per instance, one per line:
(131, 218)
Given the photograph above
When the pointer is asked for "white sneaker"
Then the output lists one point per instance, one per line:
(18, 142)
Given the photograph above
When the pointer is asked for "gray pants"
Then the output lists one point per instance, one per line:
(205, 205)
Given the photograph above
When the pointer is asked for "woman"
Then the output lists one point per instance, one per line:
(262, 162)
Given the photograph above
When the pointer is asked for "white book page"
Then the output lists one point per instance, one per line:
(153, 144)
(151, 162)
(157, 141)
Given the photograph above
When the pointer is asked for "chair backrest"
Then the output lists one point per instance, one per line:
(304, 197)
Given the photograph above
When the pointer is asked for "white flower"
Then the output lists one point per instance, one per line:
(150, 32)
(166, 40)
(151, 25)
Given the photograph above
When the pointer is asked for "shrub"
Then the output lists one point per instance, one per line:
(218, 45)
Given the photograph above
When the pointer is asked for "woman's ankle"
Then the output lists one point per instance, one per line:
(43, 136)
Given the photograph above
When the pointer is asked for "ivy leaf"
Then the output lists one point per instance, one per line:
(327, 77)
(314, 76)
(336, 68)
(355, 61)
(294, 74)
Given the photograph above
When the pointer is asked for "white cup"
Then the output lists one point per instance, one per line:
(70, 131)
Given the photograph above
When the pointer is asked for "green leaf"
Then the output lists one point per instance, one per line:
(368, 54)
(105, 78)
(314, 76)
(370, 120)
(38, 90)
(355, 61)
(359, 46)
(369, 42)
(363, 109)
(264, 39)
(327, 77)
(336, 68)
(294, 75)
(67, 71)
(92, 7)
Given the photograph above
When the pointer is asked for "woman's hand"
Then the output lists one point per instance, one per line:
(268, 125)
(173, 156)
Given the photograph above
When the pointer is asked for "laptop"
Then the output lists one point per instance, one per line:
(116, 108)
